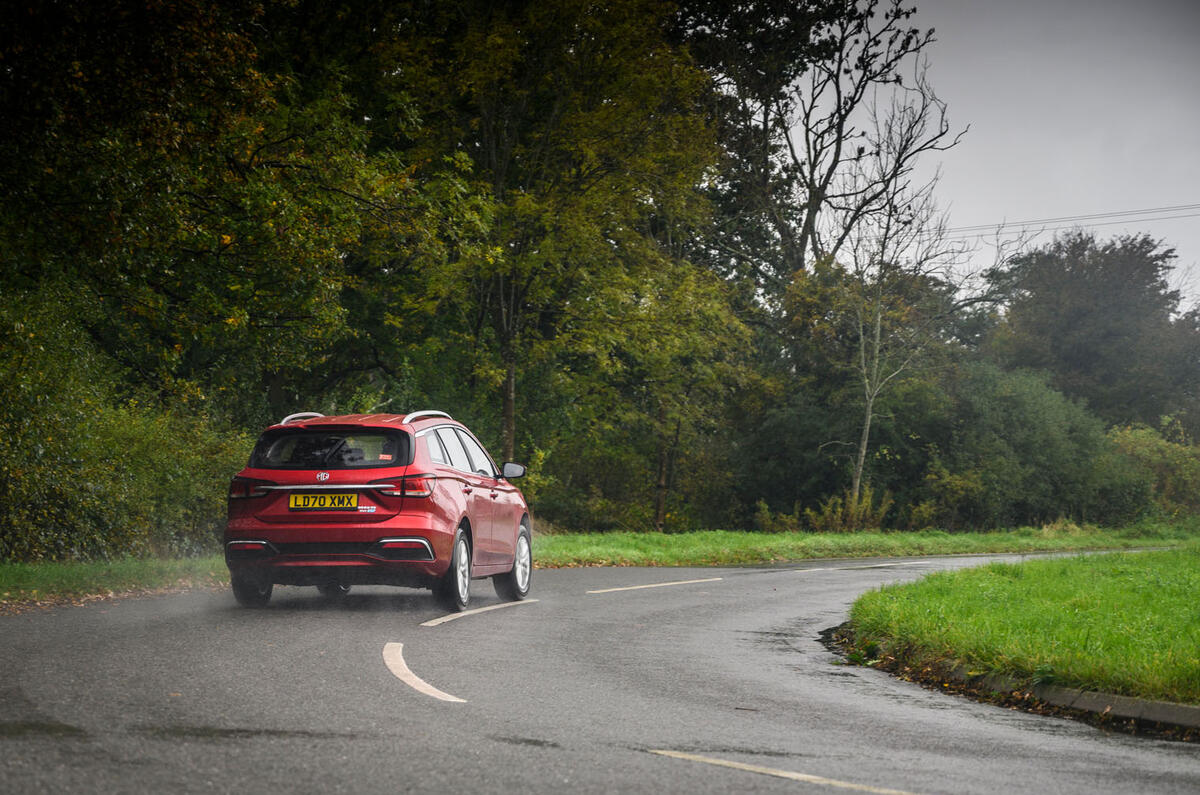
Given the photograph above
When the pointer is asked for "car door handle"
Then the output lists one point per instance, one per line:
(467, 489)
(495, 494)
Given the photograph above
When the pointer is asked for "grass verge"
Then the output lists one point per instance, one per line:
(730, 548)
(67, 583)
(1121, 623)
(47, 583)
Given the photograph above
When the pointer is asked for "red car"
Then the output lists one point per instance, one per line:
(378, 499)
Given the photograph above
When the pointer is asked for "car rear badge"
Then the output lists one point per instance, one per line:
(322, 476)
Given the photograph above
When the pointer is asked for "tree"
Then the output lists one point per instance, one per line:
(581, 123)
(1010, 450)
(823, 136)
(1102, 320)
(757, 52)
(823, 127)
(206, 184)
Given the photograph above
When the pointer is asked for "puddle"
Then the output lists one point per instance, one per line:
(526, 741)
(219, 733)
(39, 728)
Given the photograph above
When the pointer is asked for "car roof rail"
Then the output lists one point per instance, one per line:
(300, 415)
(421, 415)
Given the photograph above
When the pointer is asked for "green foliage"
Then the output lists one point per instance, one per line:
(836, 514)
(845, 514)
(574, 226)
(1174, 466)
(1101, 319)
(1017, 452)
(84, 474)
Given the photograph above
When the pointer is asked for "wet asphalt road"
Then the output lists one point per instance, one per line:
(576, 692)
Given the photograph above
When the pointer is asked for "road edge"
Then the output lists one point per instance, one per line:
(1164, 719)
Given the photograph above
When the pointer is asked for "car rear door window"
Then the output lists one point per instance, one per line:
(480, 461)
(436, 454)
(454, 449)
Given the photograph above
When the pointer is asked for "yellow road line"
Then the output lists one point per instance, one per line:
(770, 771)
(656, 585)
(433, 622)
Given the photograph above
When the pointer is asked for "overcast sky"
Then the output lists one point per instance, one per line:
(1076, 108)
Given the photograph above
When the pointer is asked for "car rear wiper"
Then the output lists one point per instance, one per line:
(329, 456)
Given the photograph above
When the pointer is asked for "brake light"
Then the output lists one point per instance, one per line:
(408, 486)
(242, 488)
(419, 485)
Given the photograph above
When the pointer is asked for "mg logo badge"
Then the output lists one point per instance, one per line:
(322, 476)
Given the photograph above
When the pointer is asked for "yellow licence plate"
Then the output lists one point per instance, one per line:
(323, 502)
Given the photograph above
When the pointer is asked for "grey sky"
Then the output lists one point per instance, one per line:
(1076, 107)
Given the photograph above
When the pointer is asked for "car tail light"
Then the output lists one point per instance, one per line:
(408, 486)
(248, 549)
(402, 544)
(242, 488)
(405, 549)
(247, 546)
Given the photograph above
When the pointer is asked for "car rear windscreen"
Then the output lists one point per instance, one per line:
(358, 448)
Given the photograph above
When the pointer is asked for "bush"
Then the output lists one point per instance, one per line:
(766, 521)
(1023, 454)
(85, 475)
(846, 514)
(837, 514)
(1172, 467)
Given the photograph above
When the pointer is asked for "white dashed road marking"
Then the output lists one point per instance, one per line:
(858, 568)
(656, 585)
(433, 622)
(393, 657)
(770, 771)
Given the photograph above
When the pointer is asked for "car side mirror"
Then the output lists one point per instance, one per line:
(511, 470)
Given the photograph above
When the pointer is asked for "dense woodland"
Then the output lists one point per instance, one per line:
(677, 258)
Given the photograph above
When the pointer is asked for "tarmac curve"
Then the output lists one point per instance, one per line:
(714, 680)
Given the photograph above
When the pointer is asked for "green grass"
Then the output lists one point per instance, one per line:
(1121, 623)
(48, 582)
(58, 582)
(728, 548)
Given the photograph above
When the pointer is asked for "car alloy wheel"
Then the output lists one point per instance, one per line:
(456, 587)
(514, 585)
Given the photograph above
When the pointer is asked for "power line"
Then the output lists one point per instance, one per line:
(1094, 216)
(982, 229)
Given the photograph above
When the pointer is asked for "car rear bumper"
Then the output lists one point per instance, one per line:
(309, 555)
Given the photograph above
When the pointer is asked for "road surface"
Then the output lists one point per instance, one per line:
(713, 680)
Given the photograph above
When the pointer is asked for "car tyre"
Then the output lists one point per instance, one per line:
(250, 591)
(333, 591)
(454, 591)
(513, 585)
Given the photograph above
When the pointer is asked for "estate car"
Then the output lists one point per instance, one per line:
(376, 499)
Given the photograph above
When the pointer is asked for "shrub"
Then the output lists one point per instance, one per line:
(1022, 453)
(84, 474)
(846, 514)
(768, 522)
(1173, 467)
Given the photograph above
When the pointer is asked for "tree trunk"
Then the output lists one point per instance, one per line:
(510, 408)
(861, 459)
(660, 487)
